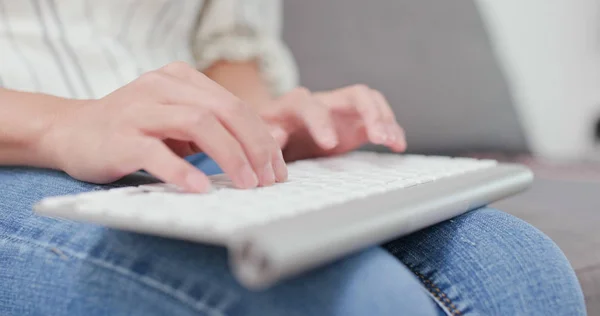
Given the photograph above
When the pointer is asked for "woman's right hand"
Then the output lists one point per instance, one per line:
(156, 120)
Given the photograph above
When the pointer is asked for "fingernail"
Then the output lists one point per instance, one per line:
(280, 167)
(380, 135)
(329, 140)
(248, 178)
(268, 175)
(197, 182)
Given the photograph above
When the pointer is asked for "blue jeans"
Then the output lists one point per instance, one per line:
(484, 262)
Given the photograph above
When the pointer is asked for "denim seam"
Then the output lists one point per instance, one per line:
(196, 305)
(438, 294)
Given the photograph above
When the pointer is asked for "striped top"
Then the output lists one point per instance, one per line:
(89, 48)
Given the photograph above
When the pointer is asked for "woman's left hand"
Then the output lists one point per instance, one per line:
(309, 125)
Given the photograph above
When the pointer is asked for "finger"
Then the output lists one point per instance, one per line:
(353, 137)
(281, 172)
(243, 124)
(258, 144)
(395, 133)
(400, 146)
(280, 134)
(360, 97)
(206, 131)
(161, 162)
(260, 147)
(282, 137)
(314, 115)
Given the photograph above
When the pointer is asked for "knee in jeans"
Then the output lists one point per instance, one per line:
(494, 262)
(542, 267)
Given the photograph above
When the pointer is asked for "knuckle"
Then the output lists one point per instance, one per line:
(305, 97)
(177, 67)
(303, 91)
(378, 94)
(302, 94)
(151, 79)
(360, 88)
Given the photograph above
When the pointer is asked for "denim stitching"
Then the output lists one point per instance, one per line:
(198, 306)
(438, 294)
(429, 285)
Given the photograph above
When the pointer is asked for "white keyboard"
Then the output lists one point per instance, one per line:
(328, 208)
(313, 185)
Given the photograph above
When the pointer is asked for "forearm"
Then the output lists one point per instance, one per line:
(24, 118)
(243, 79)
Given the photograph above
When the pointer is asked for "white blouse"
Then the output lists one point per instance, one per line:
(89, 48)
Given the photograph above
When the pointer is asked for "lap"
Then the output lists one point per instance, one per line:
(98, 271)
(79, 268)
(482, 262)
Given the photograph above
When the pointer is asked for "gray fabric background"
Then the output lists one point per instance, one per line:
(433, 60)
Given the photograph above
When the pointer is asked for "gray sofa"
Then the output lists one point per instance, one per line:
(433, 60)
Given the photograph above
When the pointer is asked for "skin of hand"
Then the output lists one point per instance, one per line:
(308, 125)
(157, 119)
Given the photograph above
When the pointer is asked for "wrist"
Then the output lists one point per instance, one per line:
(24, 120)
(44, 145)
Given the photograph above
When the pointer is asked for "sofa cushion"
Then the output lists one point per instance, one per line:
(431, 58)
